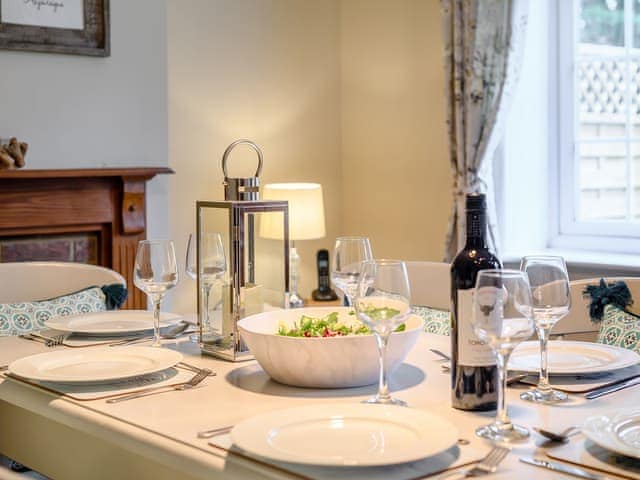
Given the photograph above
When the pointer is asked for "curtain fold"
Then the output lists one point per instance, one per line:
(483, 45)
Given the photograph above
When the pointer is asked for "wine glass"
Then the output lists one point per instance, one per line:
(348, 254)
(551, 299)
(213, 265)
(502, 317)
(155, 272)
(382, 303)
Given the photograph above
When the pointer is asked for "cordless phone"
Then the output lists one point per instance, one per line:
(324, 292)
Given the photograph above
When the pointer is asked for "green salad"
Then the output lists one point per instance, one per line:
(331, 326)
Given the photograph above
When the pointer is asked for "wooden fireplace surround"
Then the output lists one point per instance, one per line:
(108, 202)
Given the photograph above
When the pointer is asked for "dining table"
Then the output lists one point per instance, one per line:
(156, 437)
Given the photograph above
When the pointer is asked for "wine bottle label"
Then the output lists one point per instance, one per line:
(472, 352)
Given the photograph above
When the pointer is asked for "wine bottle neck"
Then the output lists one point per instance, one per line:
(476, 229)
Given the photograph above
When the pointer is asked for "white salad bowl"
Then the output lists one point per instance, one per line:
(322, 362)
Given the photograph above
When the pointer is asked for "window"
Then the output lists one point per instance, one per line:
(598, 77)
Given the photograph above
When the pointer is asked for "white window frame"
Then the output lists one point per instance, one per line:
(566, 231)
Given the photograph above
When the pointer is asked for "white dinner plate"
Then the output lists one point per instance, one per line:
(98, 365)
(570, 358)
(617, 431)
(112, 322)
(345, 435)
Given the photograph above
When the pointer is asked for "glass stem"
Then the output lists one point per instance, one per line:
(206, 293)
(383, 387)
(543, 382)
(502, 417)
(157, 299)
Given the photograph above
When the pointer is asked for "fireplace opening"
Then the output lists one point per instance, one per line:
(81, 247)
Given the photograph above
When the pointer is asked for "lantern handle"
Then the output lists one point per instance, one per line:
(232, 146)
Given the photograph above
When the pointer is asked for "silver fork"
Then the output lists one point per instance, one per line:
(488, 464)
(199, 377)
(53, 341)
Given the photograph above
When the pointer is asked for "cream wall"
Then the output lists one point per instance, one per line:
(267, 70)
(347, 93)
(395, 170)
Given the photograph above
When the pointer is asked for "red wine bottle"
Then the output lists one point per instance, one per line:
(474, 375)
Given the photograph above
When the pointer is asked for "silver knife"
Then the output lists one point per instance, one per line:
(598, 392)
(561, 467)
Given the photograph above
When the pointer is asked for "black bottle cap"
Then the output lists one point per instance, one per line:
(476, 201)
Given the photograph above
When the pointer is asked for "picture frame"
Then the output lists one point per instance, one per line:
(77, 27)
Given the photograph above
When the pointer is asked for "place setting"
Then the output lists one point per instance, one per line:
(374, 439)
(561, 367)
(107, 373)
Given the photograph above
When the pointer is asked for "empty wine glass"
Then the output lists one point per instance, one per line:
(348, 255)
(502, 317)
(213, 265)
(155, 272)
(382, 304)
(551, 299)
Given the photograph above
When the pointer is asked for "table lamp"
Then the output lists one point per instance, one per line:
(306, 222)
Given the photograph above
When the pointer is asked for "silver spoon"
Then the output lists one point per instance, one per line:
(562, 436)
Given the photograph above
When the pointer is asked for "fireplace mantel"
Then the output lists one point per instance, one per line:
(107, 202)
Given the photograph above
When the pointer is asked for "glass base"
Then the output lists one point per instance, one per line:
(546, 396)
(194, 338)
(503, 432)
(385, 401)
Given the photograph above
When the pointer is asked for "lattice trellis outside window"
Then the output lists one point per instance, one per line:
(605, 88)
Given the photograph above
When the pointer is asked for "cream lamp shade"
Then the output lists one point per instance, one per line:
(306, 211)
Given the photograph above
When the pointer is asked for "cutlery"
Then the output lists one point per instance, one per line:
(440, 353)
(563, 436)
(48, 341)
(173, 333)
(488, 464)
(196, 369)
(214, 431)
(4, 367)
(560, 467)
(199, 377)
(599, 392)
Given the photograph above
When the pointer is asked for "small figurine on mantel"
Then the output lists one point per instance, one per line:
(12, 154)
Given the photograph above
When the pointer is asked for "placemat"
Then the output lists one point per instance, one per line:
(84, 393)
(588, 454)
(456, 457)
(586, 383)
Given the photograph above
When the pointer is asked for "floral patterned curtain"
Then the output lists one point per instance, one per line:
(483, 44)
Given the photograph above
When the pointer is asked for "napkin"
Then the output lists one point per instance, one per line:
(455, 457)
(588, 454)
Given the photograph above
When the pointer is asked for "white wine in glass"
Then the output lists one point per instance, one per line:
(502, 317)
(155, 272)
(382, 302)
(551, 299)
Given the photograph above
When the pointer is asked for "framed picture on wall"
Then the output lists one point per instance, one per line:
(78, 27)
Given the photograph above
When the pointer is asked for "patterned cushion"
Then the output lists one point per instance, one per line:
(620, 328)
(23, 317)
(435, 320)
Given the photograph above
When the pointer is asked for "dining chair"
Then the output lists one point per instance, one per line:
(430, 284)
(577, 325)
(29, 281)
(26, 281)
(430, 294)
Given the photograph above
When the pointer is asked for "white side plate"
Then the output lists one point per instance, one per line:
(113, 322)
(345, 435)
(97, 365)
(567, 357)
(617, 431)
